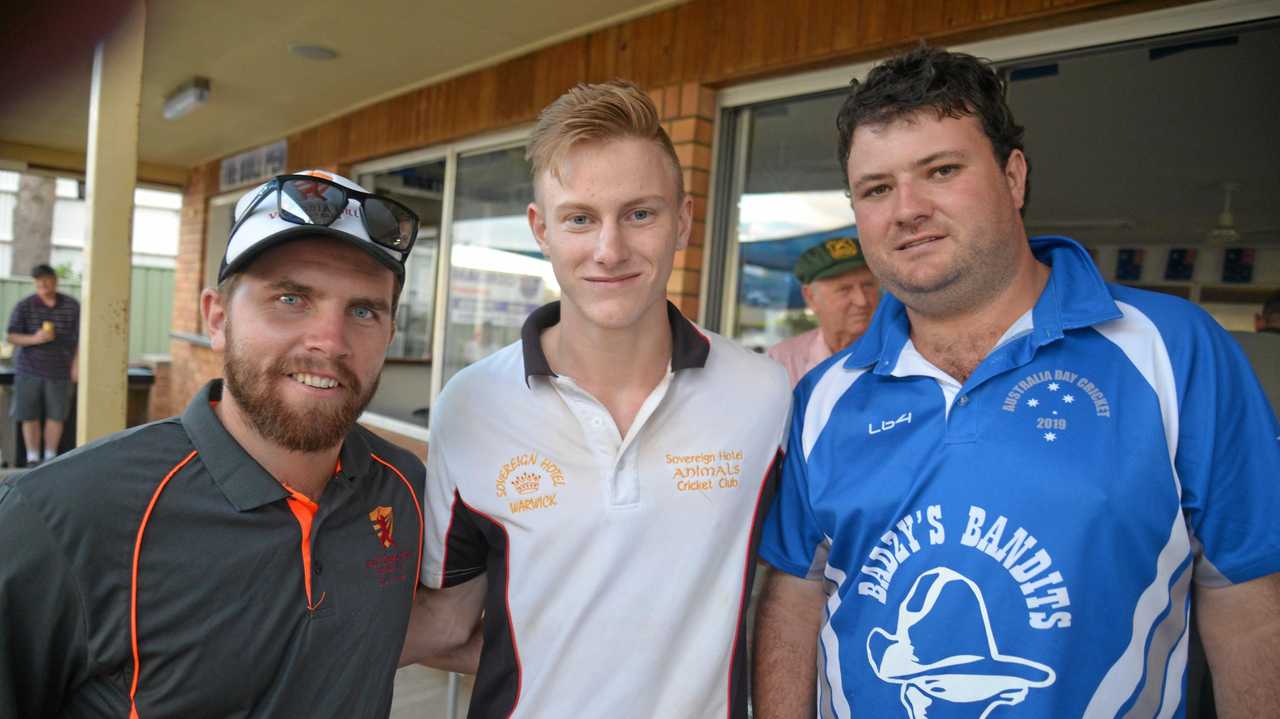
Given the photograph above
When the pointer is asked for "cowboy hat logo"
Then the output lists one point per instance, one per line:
(944, 656)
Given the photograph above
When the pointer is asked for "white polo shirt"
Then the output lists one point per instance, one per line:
(618, 567)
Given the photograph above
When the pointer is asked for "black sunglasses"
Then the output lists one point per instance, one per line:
(312, 200)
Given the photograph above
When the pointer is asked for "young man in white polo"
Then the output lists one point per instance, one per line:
(596, 487)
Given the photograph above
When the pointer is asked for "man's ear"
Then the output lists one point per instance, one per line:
(807, 292)
(1015, 174)
(214, 310)
(685, 226)
(538, 225)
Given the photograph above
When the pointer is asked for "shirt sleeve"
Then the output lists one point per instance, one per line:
(18, 319)
(73, 332)
(455, 548)
(1228, 459)
(792, 540)
(45, 647)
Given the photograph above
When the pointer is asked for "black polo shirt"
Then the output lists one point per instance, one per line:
(249, 600)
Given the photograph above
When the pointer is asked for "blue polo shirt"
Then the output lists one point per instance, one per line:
(1029, 537)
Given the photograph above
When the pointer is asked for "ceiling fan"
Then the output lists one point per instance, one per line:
(1225, 232)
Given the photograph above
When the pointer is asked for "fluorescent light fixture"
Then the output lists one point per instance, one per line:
(190, 95)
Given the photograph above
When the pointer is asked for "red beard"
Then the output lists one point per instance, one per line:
(257, 394)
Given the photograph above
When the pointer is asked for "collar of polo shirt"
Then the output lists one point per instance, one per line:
(689, 347)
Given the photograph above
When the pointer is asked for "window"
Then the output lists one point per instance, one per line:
(421, 188)
(8, 203)
(792, 198)
(471, 198)
(497, 276)
(217, 226)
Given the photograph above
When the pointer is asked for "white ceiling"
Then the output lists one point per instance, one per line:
(260, 91)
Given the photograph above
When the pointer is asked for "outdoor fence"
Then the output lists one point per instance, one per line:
(150, 310)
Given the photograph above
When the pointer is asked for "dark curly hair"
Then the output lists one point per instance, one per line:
(952, 84)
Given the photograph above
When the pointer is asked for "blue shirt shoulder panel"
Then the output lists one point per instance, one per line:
(1223, 434)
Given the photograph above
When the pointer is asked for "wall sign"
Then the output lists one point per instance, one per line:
(1129, 264)
(1237, 264)
(1181, 264)
(252, 166)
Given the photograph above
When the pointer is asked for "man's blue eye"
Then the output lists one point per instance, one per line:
(363, 313)
(290, 299)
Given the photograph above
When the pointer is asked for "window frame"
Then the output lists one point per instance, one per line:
(449, 152)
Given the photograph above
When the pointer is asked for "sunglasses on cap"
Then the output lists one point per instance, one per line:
(314, 200)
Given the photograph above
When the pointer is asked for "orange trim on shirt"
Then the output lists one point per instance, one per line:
(304, 510)
(133, 584)
(417, 575)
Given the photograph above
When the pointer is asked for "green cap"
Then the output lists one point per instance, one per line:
(828, 259)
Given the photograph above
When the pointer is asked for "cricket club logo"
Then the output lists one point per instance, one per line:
(388, 568)
(383, 525)
(1056, 401)
(943, 653)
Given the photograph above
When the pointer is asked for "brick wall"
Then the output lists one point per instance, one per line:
(160, 399)
(192, 364)
(188, 278)
(688, 115)
(193, 367)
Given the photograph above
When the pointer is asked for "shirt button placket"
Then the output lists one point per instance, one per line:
(961, 424)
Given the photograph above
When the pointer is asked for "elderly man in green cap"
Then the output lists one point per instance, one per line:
(842, 293)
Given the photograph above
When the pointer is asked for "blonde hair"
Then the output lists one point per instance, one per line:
(597, 112)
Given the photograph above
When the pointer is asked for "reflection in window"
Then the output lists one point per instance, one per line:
(793, 198)
(497, 275)
(421, 188)
(219, 219)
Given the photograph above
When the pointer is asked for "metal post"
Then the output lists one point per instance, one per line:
(453, 695)
(111, 170)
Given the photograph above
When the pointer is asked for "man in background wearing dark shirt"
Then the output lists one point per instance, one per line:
(46, 328)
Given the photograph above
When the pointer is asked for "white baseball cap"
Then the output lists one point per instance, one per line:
(323, 207)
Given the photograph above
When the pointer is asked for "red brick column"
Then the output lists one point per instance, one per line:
(192, 364)
(688, 115)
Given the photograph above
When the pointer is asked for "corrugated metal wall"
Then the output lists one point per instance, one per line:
(150, 310)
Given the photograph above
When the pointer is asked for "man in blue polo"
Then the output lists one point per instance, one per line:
(1009, 495)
